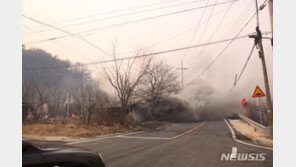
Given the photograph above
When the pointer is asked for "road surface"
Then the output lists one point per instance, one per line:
(183, 144)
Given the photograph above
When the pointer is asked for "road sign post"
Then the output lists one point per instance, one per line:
(68, 101)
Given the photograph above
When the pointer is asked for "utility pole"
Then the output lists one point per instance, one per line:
(270, 6)
(258, 42)
(67, 132)
(68, 101)
(182, 69)
(267, 89)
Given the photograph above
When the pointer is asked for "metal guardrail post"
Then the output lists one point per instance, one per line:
(266, 130)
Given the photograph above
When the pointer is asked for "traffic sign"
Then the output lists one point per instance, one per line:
(258, 92)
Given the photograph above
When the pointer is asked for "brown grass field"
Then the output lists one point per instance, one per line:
(49, 131)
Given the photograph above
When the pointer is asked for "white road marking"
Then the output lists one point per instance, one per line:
(140, 137)
(231, 130)
(126, 134)
(101, 138)
(233, 152)
(239, 141)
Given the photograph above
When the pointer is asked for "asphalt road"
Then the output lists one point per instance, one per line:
(183, 144)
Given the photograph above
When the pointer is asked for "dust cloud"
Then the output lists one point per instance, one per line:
(206, 103)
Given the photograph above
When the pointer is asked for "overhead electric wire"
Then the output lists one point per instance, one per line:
(222, 51)
(239, 20)
(197, 27)
(83, 33)
(177, 35)
(200, 37)
(144, 55)
(79, 37)
(212, 35)
(207, 22)
(244, 15)
(94, 65)
(57, 43)
(27, 27)
(67, 48)
(244, 67)
(107, 13)
(112, 17)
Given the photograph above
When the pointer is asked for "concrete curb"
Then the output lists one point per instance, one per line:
(242, 142)
(266, 143)
(255, 140)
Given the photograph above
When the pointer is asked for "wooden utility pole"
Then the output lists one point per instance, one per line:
(68, 101)
(270, 6)
(258, 42)
(182, 69)
(266, 83)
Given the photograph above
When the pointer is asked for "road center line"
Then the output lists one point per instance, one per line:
(126, 135)
(182, 134)
(162, 138)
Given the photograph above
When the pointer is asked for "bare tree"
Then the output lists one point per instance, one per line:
(86, 97)
(35, 97)
(26, 93)
(124, 79)
(56, 101)
(159, 80)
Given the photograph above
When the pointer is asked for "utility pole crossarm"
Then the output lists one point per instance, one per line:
(182, 69)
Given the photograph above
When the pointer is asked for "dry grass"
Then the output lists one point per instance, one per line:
(43, 131)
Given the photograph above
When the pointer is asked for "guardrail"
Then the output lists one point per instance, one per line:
(266, 130)
(256, 125)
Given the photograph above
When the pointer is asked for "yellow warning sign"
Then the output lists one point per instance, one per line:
(258, 92)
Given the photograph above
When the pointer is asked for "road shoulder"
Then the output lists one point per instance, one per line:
(248, 131)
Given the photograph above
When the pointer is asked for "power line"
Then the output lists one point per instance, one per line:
(207, 22)
(244, 67)
(244, 15)
(241, 18)
(200, 37)
(74, 35)
(223, 50)
(144, 55)
(212, 35)
(179, 34)
(107, 13)
(57, 43)
(67, 48)
(112, 17)
(193, 36)
(150, 45)
(129, 22)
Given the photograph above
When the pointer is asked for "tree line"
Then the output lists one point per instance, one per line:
(44, 92)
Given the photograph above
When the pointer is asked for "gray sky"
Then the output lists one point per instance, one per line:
(154, 34)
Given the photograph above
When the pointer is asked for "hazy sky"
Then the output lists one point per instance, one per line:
(157, 34)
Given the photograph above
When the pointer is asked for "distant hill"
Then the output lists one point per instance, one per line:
(38, 58)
